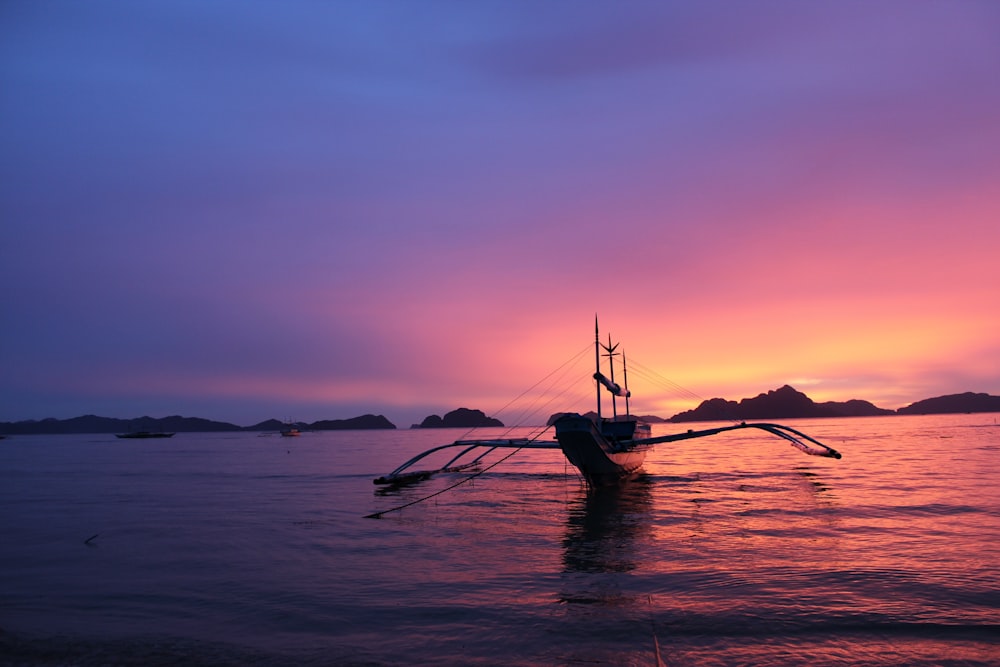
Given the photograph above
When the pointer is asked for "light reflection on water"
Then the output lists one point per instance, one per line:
(739, 549)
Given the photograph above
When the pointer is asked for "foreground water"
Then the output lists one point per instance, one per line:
(241, 549)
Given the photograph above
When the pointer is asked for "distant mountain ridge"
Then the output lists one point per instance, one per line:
(178, 424)
(953, 403)
(783, 403)
(789, 403)
(95, 424)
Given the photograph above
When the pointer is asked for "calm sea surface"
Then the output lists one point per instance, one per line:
(235, 549)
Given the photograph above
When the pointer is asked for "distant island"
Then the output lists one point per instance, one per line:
(178, 424)
(783, 403)
(95, 424)
(356, 423)
(788, 403)
(953, 403)
(364, 422)
(460, 418)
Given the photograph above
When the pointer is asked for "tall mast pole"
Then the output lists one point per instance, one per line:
(625, 380)
(610, 354)
(597, 363)
(611, 364)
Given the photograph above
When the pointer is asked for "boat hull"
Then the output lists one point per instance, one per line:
(602, 460)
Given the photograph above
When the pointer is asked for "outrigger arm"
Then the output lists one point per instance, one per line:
(401, 476)
(786, 432)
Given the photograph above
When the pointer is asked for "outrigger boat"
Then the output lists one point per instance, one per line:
(606, 451)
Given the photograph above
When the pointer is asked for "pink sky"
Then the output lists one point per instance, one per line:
(243, 211)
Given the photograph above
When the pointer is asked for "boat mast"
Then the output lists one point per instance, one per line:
(597, 363)
(625, 380)
(611, 363)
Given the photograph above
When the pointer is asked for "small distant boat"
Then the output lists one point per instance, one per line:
(290, 432)
(605, 451)
(145, 434)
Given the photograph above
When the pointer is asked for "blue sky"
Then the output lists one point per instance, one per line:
(252, 210)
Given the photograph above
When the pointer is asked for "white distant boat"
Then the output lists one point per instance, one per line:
(606, 451)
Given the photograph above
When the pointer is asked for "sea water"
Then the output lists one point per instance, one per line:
(233, 549)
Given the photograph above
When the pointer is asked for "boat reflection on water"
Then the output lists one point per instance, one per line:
(604, 526)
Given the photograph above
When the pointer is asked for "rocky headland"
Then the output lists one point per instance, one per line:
(783, 403)
(460, 418)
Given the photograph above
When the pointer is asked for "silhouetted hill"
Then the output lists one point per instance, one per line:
(552, 419)
(267, 425)
(95, 424)
(652, 419)
(176, 424)
(460, 418)
(953, 403)
(363, 422)
(783, 403)
(853, 408)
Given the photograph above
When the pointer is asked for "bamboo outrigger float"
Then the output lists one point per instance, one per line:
(605, 451)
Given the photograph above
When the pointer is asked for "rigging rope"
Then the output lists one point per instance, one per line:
(562, 370)
(532, 409)
(649, 374)
(653, 377)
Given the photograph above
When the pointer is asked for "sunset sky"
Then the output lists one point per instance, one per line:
(309, 210)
